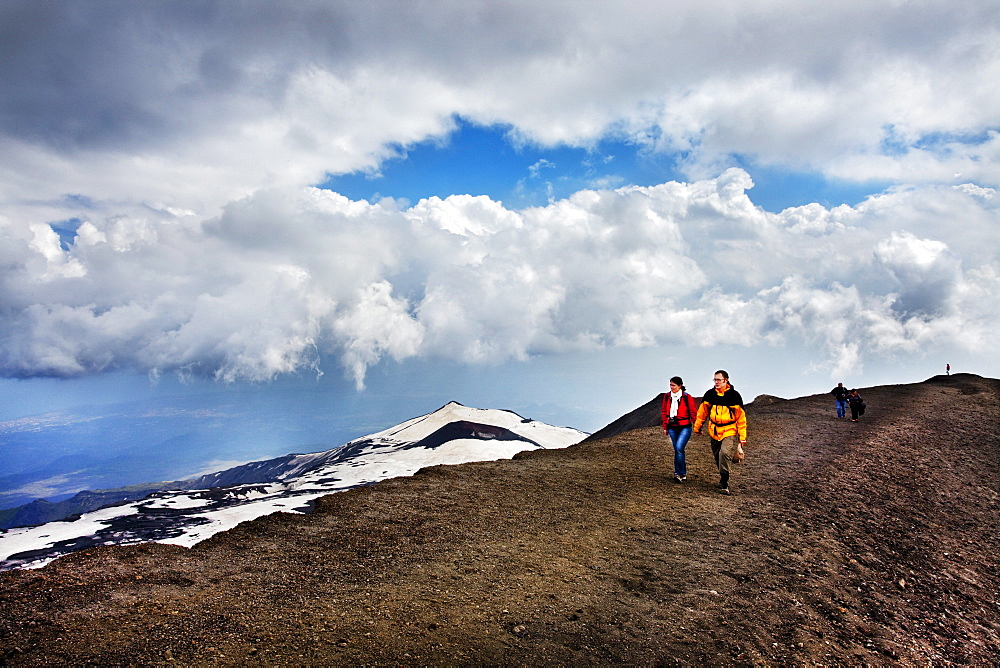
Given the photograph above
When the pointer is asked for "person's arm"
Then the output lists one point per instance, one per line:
(741, 424)
(703, 410)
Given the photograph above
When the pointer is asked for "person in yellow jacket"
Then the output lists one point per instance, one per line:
(722, 409)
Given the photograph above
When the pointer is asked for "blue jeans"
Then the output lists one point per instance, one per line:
(680, 437)
(841, 407)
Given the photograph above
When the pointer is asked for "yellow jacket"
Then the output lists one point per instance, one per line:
(722, 420)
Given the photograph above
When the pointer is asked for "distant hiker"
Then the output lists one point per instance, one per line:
(857, 405)
(678, 412)
(840, 395)
(947, 369)
(722, 408)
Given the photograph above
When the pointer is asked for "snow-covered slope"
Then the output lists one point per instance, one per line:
(200, 508)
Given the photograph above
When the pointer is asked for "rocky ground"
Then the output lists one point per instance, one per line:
(845, 543)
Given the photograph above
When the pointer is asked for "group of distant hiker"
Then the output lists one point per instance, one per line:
(721, 409)
(848, 399)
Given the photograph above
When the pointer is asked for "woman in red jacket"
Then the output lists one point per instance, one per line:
(678, 413)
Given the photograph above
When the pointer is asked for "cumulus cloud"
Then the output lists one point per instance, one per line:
(301, 278)
(377, 324)
(925, 270)
(190, 106)
(181, 142)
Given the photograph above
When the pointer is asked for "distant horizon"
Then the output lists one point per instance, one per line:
(315, 425)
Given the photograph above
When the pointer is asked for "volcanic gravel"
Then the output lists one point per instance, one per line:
(868, 543)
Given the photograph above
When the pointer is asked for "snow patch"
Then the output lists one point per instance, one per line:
(454, 434)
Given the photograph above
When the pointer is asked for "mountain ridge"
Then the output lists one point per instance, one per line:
(649, 415)
(844, 544)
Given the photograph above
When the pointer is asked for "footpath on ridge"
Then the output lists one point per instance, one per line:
(845, 543)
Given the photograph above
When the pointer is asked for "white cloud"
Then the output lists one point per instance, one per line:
(200, 107)
(376, 325)
(49, 487)
(292, 279)
(925, 268)
(183, 138)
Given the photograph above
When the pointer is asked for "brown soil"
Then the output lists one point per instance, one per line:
(844, 544)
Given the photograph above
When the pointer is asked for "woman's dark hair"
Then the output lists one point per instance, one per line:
(676, 380)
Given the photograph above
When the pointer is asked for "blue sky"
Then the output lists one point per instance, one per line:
(549, 208)
(481, 160)
(486, 160)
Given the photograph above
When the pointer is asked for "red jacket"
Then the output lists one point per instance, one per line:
(686, 411)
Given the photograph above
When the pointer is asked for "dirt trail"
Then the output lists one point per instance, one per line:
(844, 544)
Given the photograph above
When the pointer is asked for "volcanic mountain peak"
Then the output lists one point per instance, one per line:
(189, 511)
(419, 428)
